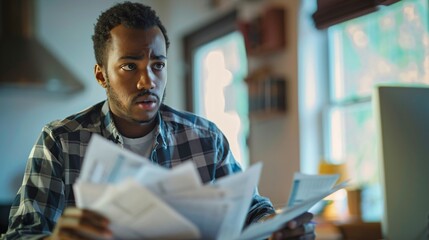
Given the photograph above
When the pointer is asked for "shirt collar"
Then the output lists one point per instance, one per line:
(162, 131)
(110, 131)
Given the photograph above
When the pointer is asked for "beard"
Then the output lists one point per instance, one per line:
(115, 100)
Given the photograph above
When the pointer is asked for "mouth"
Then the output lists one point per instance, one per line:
(147, 102)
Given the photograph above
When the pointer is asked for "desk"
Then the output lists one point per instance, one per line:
(360, 230)
(327, 231)
(348, 230)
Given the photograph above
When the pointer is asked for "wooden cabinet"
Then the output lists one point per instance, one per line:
(264, 37)
(265, 33)
(267, 94)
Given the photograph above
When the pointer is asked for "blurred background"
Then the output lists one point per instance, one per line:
(288, 81)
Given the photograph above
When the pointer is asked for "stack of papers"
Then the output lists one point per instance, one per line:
(146, 201)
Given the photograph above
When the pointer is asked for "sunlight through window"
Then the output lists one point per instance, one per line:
(220, 93)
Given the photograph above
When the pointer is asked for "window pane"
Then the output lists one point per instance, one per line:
(352, 136)
(220, 91)
(390, 45)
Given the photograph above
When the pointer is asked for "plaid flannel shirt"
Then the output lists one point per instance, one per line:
(55, 161)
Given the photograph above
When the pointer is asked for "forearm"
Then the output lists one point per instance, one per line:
(40, 199)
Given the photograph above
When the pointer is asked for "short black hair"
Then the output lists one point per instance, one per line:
(133, 15)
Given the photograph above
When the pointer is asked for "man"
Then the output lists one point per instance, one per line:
(130, 45)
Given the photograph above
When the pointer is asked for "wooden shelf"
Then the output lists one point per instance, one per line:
(267, 93)
(265, 33)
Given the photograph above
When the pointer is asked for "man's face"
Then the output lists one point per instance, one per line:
(135, 73)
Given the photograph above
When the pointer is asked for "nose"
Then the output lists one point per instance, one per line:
(146, 80)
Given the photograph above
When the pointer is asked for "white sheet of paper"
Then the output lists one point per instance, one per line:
(88, 193)
(219, 210)
(181, 178)
(204, 192)
(151, 173)
(136, 213)
(106, 162)
(144, 200)
(208, 215)
(305, 186)
(265, 229)
(241, 187)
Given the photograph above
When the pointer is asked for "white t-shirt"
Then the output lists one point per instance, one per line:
(142, 145)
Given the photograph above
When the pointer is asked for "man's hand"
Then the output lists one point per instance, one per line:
(78, 223)
(299, 228)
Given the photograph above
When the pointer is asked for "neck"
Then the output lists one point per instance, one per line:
(132, 129)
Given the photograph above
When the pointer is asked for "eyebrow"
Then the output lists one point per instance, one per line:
(140, 57)
(159, 57)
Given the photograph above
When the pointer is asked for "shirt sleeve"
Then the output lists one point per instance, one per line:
(40, 200)
(260, 206)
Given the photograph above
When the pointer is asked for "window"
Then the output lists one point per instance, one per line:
(220, 93)
(216, 66)
(387, 46)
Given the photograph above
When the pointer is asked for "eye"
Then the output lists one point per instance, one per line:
(158, 66)
(129, 67)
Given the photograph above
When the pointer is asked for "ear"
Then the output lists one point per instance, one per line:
(98, 72)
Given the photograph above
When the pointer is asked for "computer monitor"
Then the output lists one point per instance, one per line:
(402, 117)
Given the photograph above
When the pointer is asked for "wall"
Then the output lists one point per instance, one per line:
(65, 27)
(275, 141)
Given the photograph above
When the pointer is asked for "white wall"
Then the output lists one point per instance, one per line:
(275, 141)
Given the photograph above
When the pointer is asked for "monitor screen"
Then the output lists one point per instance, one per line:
(402, 117)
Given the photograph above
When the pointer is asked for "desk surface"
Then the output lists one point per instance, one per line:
(327, 231)
(347, 230)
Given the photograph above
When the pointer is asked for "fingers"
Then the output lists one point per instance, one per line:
(66, 234)
(298, 228)
(300, 220)
(87, 217)
(305, 231)
(308, 236)
(81, 224)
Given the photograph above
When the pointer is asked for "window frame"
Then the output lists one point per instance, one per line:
(217, 28)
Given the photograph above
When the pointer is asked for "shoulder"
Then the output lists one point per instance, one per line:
(85, 120)
(176, 120)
